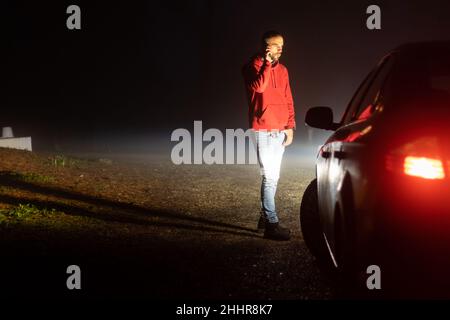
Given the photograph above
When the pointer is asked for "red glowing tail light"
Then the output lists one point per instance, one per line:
(424, 167)
(421, 158)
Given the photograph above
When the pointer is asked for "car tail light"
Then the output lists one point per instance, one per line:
(423, 167)
(421, 158)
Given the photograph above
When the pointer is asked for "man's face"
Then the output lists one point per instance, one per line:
(275, 46)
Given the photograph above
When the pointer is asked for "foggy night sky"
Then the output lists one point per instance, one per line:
(147, 68)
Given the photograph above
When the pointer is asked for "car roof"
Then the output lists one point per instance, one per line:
(420, 48)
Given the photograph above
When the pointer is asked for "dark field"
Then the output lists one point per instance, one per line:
(141, 227)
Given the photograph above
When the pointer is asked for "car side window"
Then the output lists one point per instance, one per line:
(372, 97)
(355, 102)
(355, 105)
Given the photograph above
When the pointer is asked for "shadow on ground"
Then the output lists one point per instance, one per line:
(162, 255)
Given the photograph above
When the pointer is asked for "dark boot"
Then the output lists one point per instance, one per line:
(275, 232)
(261, 223)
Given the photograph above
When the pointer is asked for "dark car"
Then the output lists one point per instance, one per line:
(382, 190)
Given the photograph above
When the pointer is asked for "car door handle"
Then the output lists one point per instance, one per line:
(325, 154)
(339, 154)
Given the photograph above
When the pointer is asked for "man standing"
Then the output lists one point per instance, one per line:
(272, 117)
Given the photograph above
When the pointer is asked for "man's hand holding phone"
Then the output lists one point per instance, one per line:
(269, 55)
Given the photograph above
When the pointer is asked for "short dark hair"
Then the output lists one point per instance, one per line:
(269, 34)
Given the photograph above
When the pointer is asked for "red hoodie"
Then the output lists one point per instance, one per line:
(269, 95)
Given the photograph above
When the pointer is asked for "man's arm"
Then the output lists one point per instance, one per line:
(291, 120)
(290, 101)
(257, 77)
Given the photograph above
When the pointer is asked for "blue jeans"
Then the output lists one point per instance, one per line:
(270, 151)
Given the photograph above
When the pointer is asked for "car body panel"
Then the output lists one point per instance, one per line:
(386, 212)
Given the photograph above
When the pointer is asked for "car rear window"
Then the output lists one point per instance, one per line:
(440, 83)
(422, 77)
(437, 72)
